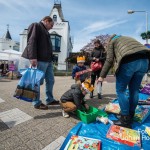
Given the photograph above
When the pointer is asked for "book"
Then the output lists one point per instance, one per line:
(141, 113)
(147, 130)
(144, 102)
(112, 108)
(83, 143)
(124, 135)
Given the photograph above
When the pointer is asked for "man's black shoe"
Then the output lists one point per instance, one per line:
(54, 103)
(41, 106)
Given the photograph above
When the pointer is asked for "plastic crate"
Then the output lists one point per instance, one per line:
(90, 115)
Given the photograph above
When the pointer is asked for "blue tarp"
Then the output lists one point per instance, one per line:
(99, 130)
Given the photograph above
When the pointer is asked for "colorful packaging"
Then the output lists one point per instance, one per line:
(81, 143)
(124, 135)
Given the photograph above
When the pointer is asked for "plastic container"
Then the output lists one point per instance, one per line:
(90, 115)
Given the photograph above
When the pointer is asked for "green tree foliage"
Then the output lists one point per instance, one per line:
(73, 57)
(145, 35)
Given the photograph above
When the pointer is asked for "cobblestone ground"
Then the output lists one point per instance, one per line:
(24, 128)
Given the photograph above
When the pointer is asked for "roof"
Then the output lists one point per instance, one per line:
(11, 51)
(7, 35)
(58, 7)
(54, 33)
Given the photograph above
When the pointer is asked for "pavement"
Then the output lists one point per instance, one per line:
(24, 128)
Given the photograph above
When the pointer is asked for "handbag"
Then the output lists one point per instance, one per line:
(28, 87)
(96, 66)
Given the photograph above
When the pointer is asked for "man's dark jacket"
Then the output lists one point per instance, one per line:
(39, 45)
(74, 95)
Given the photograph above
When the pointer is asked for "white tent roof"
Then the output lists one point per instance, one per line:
(11, 51)
(10, 55)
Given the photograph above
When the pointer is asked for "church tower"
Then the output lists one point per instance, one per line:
(7, 43)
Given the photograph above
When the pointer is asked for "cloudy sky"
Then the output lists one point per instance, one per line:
(87, 18)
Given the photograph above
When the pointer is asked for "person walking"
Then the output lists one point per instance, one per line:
(39, 52)
(98, 55)
(131, 60)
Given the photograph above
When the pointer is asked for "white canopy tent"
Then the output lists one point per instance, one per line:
(10, 55)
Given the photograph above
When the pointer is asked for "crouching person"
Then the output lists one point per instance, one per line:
(73, 99)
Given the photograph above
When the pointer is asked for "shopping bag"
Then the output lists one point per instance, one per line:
(28, 87)
(96, 66)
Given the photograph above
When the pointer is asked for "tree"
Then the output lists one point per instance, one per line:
(145, 35)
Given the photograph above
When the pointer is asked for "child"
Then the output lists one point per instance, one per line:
(79, 67)
(74, 98)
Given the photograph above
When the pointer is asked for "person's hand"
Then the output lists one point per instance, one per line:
(33, 62)
(94, 58)
(86, 106)
(100, 79)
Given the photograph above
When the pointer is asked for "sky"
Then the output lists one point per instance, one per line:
(87, 18)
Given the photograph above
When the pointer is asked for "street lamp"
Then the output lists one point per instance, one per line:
(133, 11)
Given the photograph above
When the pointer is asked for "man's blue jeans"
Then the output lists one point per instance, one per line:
(47, 68)
(130, 74)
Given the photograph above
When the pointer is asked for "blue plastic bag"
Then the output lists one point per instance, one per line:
(28, 87)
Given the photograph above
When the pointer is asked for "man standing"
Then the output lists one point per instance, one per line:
(131, 60)
(39, 52)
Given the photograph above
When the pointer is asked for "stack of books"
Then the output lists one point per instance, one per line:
(83, 143)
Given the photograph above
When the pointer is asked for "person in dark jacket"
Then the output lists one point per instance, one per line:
(79, 67)
(39, 52)
(74, 98)
(131, 62)
(98, 55)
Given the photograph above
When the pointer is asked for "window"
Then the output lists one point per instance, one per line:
(56, 42)
(54, 18)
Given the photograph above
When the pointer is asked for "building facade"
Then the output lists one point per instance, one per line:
(60, 37)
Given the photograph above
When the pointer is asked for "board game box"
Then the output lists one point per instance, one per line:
(124, 135)
(83, 143)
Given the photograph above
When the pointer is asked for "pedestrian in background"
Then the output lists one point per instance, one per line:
(39, 52)
(98, 55)
(131, 60)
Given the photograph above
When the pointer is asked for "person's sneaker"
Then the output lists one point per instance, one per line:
(41, 106)
(99, 96)
(65, 115)
(54, 103)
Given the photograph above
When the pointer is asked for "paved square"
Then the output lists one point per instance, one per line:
(55, 145)
(14, 117)
(1, 100)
